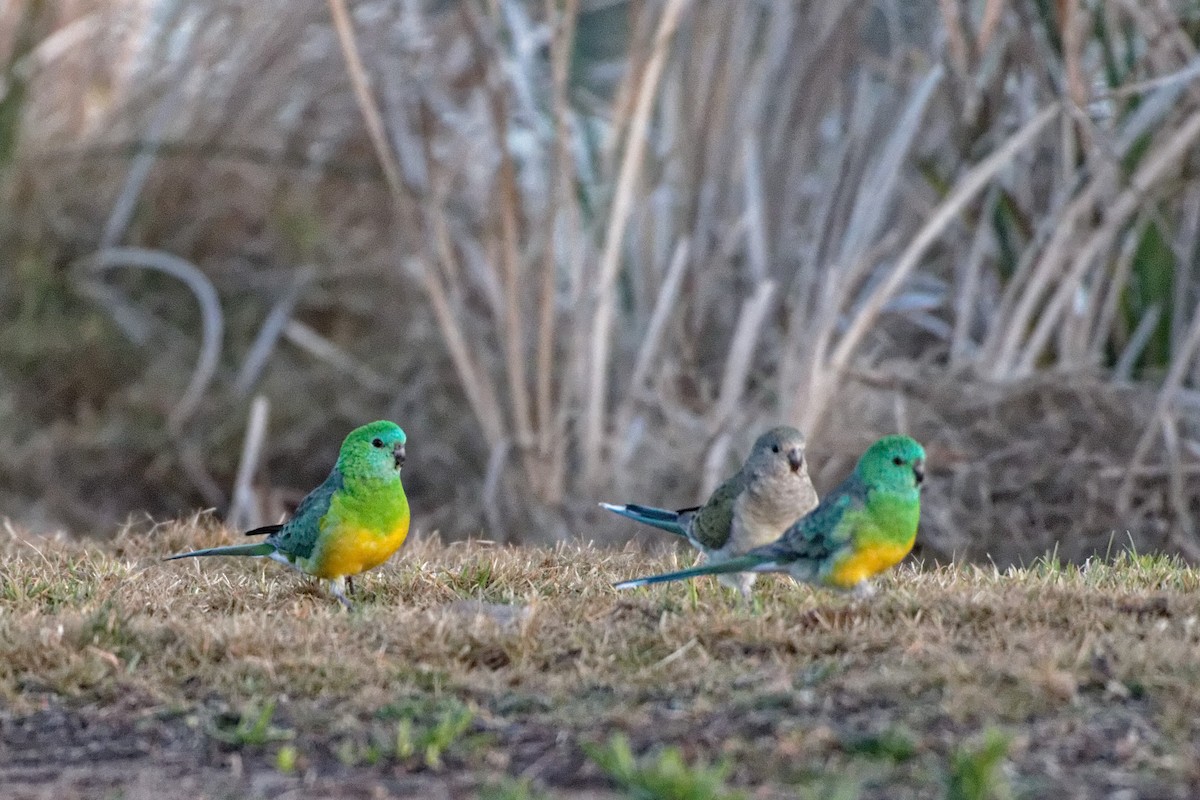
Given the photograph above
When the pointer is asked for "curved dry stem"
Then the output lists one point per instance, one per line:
(212, 320)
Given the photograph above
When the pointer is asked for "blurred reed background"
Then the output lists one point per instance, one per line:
(587, 249)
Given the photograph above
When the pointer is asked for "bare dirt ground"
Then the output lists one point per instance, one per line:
(476, 671)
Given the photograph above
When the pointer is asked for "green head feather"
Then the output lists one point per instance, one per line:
(894, 464)
(376, 450)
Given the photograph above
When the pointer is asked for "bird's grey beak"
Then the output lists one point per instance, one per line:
(919, 471)
(398, 452)
(796, 458)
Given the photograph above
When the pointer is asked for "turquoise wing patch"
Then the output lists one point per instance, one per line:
(816, 536)
(298, 536)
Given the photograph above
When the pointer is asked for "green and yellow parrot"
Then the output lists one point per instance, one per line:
(863, 527)
(354, 521)
(750, 509)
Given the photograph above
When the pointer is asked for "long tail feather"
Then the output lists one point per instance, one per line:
(743, 564)
(264, 530)
(659, 518)
(261, 549)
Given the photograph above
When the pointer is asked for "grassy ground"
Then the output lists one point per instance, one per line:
(471, 670)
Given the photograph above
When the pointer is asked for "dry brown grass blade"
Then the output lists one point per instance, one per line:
(967, 297)
(664, 305)
(952, 22)
(477, 387)
(716, 467)
(244, 506)
(1180, 365)
(741, 353)
(1074, 21)
(755, 219)
(965, 190)
(318, 346)
(993, 11)
(361, 84)
(1182, 76)
(563, 40)
(1103, 307)
(139, 171)
(594, 417)
(1158, 163)
(1024, 295)
(476, 384)
(260, 350)
(493, 485)
(512, 276)
(878, 189)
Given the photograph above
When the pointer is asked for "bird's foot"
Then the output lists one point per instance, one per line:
(349, 585)
(335, 586)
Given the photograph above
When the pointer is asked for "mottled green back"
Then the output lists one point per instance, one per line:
(710, 524)
(298, 536)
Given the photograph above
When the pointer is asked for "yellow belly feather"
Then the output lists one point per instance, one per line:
(349, 550)
(867, 561)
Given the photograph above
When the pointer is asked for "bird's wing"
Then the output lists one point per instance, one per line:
(710, 524)
(298, 536)
(819, 533)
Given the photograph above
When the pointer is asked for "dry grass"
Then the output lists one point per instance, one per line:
(583, 251)
(474, 665)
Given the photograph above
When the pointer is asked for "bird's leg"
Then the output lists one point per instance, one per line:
(741, 582)
(863, 590)
(745, 587)
(335, 586)
(349, 584)
(745, 581)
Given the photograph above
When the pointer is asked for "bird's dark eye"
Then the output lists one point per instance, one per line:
(898, 461)
(377, 442)
(774, 448)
